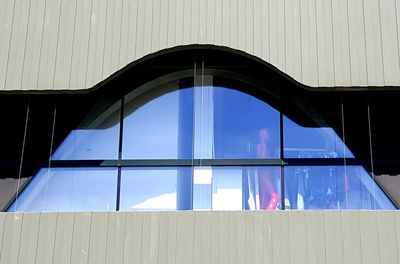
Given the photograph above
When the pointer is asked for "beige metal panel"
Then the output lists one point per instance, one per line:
(155, 32)
(218, 20)
(171, 23)
(241, 26)
(341, 43)
(224, 237)
(33, 45)
(172, 238)
(325, 43)
(265, 34)
(333, 237)
(357, 43)
(202, 237)
(194, 24)
(292, 40)
(63, 240)
(150, 233)
(316, 237)
(28, 242)
(98, 238)
(240, 237)
(163, 239)
(179, 21)
(267, 238)
(115, 238)
(96, 43)
(140, 29)
(46, 238)
(7, 8)
(207, 21)
(148, 27)
(187, 20)
(369, 238)
(48, 48)
(397, 230)
(215, 238)
(132, 31)
(257, 42)
(226, 21)
(125, 33)
(273, 32)
(281, 64)
(80, 238)
(2, 225)
(112, 37)
(258, 236)
(390, 41)
(65, 44)
(351, 237)
(184, 237)
(233, 235)
(387, 237)
(373, 42)
(80, 47)
(250, 238)
(298, 237)
(203, 21)
(278, 247)
(309, 43)
(249, 26)
(133, 237)
(11, 238)
(17, 49)
(234, 24)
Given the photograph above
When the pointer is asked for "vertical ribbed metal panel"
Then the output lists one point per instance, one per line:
(373, 42)
(11, 238)
(33, 45)
(81, 41)
(341, 42)
(46, 238)
(358, 64)
(17, 45)
(65, 44)
(68, 44)
(7, 8)
(63, 239)
(80, 238)
(390, 41)
(29, 234)
(49, 44)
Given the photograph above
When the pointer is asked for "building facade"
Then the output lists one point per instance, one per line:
(253, 131)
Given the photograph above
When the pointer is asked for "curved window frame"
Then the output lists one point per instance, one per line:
(281, 162)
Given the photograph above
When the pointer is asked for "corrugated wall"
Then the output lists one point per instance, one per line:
(201, 237)
(74, 44)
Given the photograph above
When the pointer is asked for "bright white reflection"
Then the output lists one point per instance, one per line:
(166, 201)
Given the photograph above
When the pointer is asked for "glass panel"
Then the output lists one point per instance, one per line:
(156, 188)
(97, 137)
(332, 187)
(67, 189)
(245, 127)
(236, 188)
(159, 126)
(312, 142)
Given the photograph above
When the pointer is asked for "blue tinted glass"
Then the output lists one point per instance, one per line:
(245, 127)
(236, 188)
(160, 128)
(201, 122)
(332, 187)
(68, 189)
(96, 138)
(156, 188)
(312, 142)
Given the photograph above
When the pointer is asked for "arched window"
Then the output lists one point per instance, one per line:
(201, 139)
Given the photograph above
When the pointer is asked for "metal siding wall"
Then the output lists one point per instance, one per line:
(68, 44)
(201, 237)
